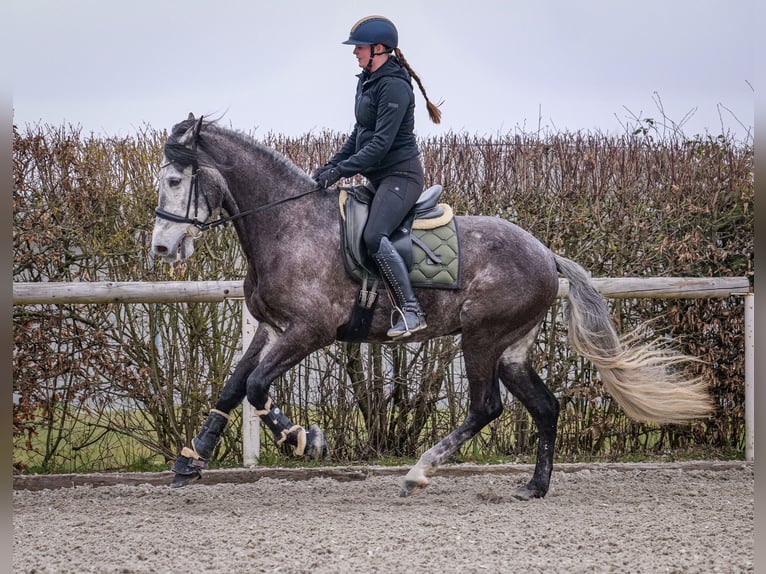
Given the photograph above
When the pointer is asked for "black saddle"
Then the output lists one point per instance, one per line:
(355, 207)
(426, 217)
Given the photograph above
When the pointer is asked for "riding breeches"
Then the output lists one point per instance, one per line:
(395, 194)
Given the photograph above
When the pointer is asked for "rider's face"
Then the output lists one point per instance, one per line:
(362, 54)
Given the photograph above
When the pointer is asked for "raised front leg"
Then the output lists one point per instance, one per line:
(310, 443)
(283, 353)
(268, 356)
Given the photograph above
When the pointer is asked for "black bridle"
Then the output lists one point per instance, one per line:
(194, 193)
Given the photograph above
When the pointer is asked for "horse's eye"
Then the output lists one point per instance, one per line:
(174, 181)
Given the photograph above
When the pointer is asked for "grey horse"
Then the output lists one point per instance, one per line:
(297, 288)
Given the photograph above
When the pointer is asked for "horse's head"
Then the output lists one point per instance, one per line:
(190, 192)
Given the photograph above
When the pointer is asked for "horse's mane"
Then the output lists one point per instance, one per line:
(180, 153)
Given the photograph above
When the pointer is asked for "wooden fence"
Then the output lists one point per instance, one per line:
(216, 291)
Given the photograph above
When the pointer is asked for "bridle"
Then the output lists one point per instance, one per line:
(194, 194)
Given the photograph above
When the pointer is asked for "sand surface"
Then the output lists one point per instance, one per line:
(596, 518)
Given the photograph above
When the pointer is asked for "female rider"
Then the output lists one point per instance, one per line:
(382, 147)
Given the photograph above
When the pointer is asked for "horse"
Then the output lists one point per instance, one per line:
(298, 290)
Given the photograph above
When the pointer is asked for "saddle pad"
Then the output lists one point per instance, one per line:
(442, 241)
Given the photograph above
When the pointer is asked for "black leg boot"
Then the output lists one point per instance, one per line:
(189, 465)
(397, 280)
(309, 443)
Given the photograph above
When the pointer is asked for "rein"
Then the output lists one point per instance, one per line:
(204, 226)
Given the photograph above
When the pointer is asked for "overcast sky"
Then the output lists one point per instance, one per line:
(279, 66)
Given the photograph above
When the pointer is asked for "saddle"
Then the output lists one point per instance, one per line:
(426, 240)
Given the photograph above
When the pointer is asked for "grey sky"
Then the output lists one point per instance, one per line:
(279, 66)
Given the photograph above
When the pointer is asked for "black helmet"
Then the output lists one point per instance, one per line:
(373, 30)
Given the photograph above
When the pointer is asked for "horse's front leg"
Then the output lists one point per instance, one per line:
(193, 459)
(284, 354)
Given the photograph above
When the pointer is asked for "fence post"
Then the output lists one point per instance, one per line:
(251, 427)
(749, 376)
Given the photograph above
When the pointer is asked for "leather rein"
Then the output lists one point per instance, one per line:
(194, 193)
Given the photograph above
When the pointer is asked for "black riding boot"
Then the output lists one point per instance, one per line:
(397, 280)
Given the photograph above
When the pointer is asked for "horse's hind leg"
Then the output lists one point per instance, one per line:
(523, 382)
(485, 406)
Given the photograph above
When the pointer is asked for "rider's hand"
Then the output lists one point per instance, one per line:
(326, 177)
(320, 170)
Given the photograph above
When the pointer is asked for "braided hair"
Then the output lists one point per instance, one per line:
(433, 109)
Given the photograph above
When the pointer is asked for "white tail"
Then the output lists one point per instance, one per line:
(640, 377)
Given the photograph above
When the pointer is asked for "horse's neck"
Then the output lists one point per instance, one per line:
(257, 176)
(276, 229)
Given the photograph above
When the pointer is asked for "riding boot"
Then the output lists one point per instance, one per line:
(397, 280)
(190, 463)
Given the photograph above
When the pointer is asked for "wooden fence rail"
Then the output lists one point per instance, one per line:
(215, 291)
(211, 291)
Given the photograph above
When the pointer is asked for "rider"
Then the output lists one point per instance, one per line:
(382, 147)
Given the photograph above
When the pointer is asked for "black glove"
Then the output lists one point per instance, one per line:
(327, 177)
(319, 171)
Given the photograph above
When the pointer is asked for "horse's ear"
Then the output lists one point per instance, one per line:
(191, 116)
(190, 136)
(198, 127)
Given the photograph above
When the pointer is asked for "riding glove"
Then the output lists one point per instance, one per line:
(320, 170)
(327, 177)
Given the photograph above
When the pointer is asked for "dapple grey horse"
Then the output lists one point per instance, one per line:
(298, 290)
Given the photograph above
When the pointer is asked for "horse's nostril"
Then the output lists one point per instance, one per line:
(160, 249)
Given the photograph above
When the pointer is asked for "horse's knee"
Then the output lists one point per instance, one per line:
(494, 410)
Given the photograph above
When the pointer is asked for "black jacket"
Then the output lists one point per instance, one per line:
(385, 122)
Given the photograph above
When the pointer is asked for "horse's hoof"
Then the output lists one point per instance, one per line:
(411, 487)
(526, 493)
(180, 480)
(316, 445)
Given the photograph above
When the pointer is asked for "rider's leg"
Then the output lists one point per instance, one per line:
(395, 195)
(411, 317)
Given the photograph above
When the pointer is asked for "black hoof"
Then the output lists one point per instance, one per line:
(316, 445)
(180, 480)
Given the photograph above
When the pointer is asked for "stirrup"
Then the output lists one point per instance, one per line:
(403, 327)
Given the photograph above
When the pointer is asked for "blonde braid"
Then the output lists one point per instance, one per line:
(433, 109)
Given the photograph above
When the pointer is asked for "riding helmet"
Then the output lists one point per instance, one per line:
(373, 30)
